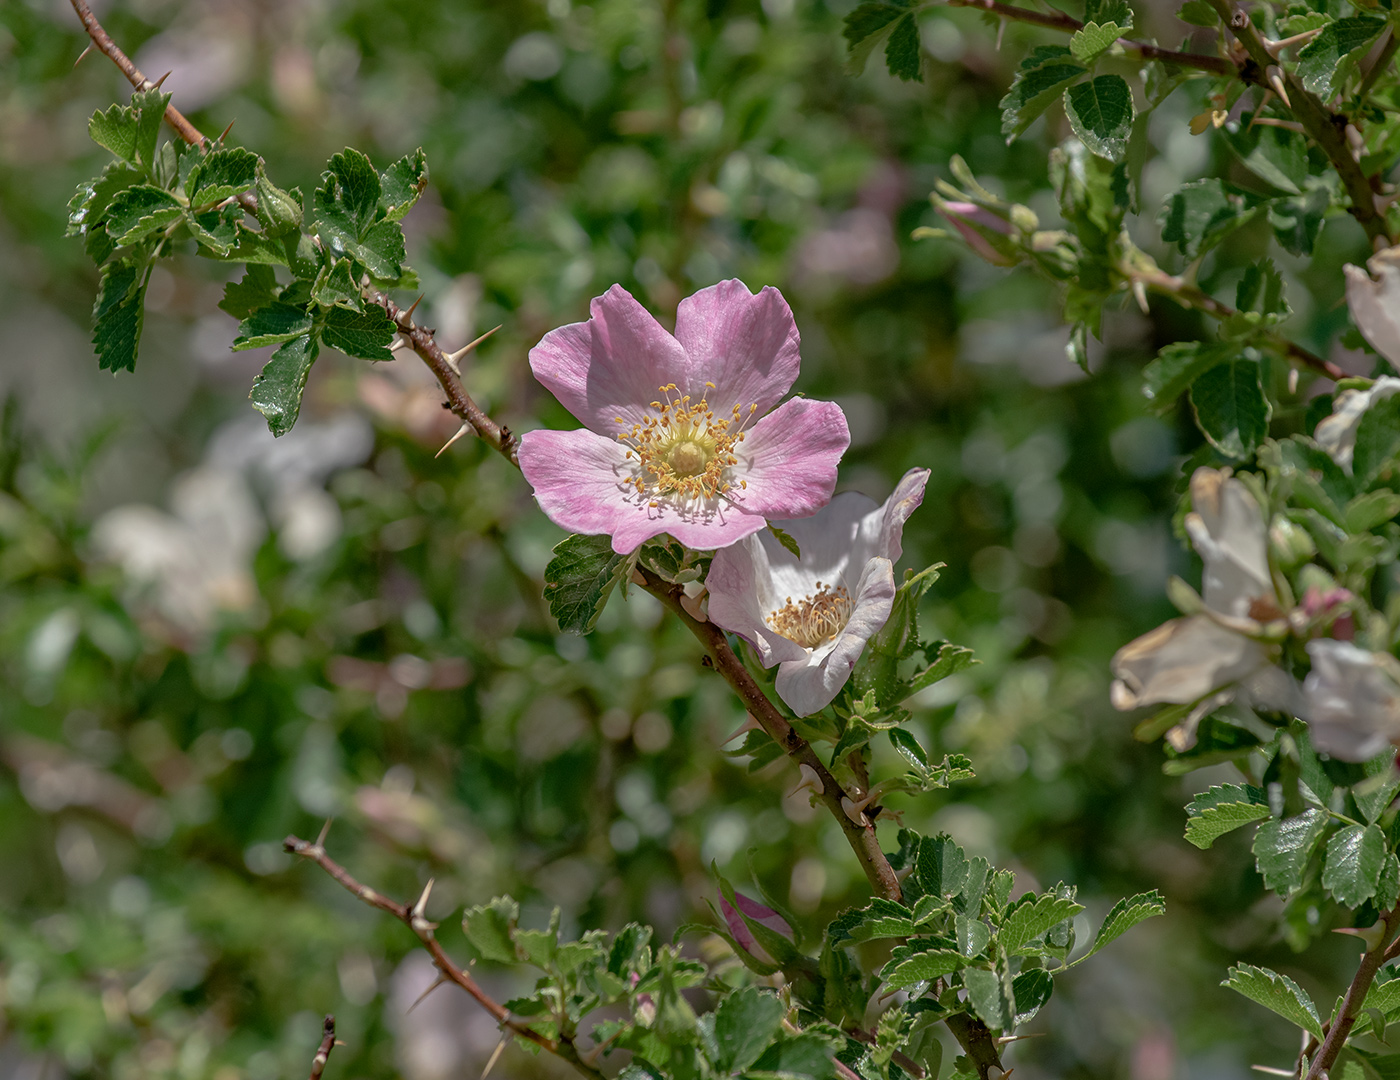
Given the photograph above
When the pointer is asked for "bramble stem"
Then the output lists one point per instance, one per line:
(323, 1054)
(413, 917)
(1371, 961)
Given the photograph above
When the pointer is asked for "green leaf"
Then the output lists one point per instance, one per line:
(1198, 215)
(804, 1057)
(130, 131)
(1319, 59)
(1223, 809)
(1095, 39)
(1033, 917)
(880, 919)
(1031, 990)
(991, 996)
(221, 174)
(365, 334)
(579, 579)
(1388, 885)
(277, 390)
(951, 659)
(139, 211)
(1352, 870)
(1038, 82)
(972, 935)
(1297, 220)
(87, 210)
(1106, 11)
(348, 198)
(119, 314)
(150, 108)
(902, 51)
(1101, 114)
(969, 900)
(1377, 439)
(1231, 408)
(1125, 915)
(1260, 291)
(335, 285)
(1198, 13)
(1283, 847)
(381, 250)
(1278, 993)
(1177, 366)
(402, 184)
(941, 867)
(923, 967)
(279, 212)
(271, 325)
(745, 1024)
(216, 231)
(1365, 512)
(490, 927)
(257, 289)
(867, 26)
(1276, 155)
(786, 540)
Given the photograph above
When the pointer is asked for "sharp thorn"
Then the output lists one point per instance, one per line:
(409, 313)
(495, 1055)
(325, 830)
(83, 54)
(749, 724)
(424, 995)
(466, 427)
(455, 358)
(423, 900)
(227, 129)
(156, 85)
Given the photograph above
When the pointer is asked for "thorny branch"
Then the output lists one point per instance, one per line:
(318, 1063)
(1371, 960)
(414, 918)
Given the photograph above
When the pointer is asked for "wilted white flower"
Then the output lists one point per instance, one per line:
(1374, 300)
(1337, 433)
(1351, 700)
(813, 615)
(1211, 658)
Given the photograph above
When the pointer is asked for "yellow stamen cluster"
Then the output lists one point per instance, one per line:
(816, 618)
(685, 449)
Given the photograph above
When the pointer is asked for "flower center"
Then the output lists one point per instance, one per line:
(814, 619)
(685, 449)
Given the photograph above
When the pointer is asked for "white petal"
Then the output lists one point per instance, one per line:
(1182, 661)
(1375, 303)
(1337, 433)
(1352, 700)
(741, 590)
(1226, 527)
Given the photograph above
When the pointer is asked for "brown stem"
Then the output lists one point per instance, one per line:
(108, 47)
(318, 1063)
(497, 436)
(413, 918)
(1341, 1026)
(1059, 21)
(1323, 126)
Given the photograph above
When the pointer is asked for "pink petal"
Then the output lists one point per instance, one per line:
(612, 365)
(740, 931)
(746, 344)
(789, 459)
(908, 496)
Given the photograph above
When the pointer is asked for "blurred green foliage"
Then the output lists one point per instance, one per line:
(367, 641)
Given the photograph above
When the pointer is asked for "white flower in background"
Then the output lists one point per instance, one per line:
(1211, 658)
(1351, 700)
(1337, 433)
(1374, 300)
(813, 615)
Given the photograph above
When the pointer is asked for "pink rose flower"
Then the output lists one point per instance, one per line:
(977, 225)
(678, 437)
(813, 615)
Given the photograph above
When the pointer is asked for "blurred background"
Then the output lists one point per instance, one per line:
(209, 639)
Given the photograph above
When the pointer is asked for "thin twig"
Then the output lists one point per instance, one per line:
(1371, 961)
(1219, 65)
(414, 918)
(318, 1063)
(106, 45)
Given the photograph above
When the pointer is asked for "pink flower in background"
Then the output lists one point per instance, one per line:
(742, 935)
(813, 615)
(974, 223)
(678, 437)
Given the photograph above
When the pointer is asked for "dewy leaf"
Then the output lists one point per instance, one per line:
(277, 390)
(579, 579)
(1125, 915)
(119, 314)
(348, 197)
(221, 174)
(402, 184)
(991, 996)
(115, 130)
(1031, 918)
(381, 250)
(923, 967)
(1223, 809)
(1177, 366)
(139, 211)
(941, 866)
(1198, 215)
(336, 286)
(1101, 114)
(1352, 870)
(1031, 990)
(902, 51)
(1319, 59)
(1276, 992)
(1283, 847)
(881, 918)
(745, 1024)
(1377, 438)
(1095, 39)
(271, 325)
(257, 289)
(1038, 82)
(150, 112)
(279, 211)
(365, 334)
(488, 928)
(1231, 408)
(867, 26)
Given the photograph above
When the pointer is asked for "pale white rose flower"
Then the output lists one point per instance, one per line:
(1337, 433)
(1374, 300)
(1212, 658)
(1351, 700)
